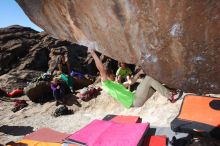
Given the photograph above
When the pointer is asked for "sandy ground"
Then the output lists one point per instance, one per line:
(158, 111)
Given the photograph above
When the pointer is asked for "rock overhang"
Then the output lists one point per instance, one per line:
(176, 42)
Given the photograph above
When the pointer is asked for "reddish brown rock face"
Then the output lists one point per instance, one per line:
(175, 41)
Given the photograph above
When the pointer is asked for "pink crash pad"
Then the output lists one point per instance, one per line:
(109, 133)
(47, 135)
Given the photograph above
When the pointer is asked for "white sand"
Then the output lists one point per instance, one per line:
(158, 111)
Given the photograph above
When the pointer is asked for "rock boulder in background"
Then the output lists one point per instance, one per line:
(25, 54)
(175, 41)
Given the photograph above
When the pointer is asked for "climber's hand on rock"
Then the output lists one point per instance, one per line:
(90, 50)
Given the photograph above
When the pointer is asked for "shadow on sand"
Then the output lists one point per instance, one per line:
(16, 130)
(71, 99)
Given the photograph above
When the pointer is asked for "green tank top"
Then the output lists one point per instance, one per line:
(119, 92)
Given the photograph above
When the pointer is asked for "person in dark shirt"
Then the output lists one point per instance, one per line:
(63, 64)
(60, 64)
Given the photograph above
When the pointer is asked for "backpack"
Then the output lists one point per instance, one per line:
(63, 110)
(88, 92)
(19, 104)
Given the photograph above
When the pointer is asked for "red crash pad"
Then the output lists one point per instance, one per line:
(155, 141)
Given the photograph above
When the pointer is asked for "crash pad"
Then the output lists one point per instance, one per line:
(47, 135)
(122, 119)
(109, 133)
(155, 141)
(197, 115)
(25, 142)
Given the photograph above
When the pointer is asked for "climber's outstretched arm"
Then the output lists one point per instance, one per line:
(99, 64)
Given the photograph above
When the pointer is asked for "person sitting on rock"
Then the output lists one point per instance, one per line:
(62, 67)
(60, 64)
(63, 64)
(126, 97)
(123, 73)
(59, 89)
(66, 78)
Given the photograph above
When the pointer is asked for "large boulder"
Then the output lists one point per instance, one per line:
(176, 42)
(25, 54)
(39, 92)
(17, 79)
(24, 48)
(15, 44)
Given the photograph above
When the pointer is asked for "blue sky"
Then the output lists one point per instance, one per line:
(11, 14)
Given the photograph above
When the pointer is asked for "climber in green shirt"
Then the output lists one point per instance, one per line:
(123, 73)
(123, 95)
